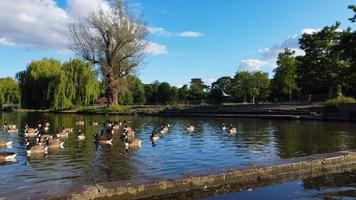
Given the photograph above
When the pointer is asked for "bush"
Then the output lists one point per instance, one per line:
(333, 105)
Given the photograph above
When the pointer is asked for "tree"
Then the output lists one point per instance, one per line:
(353, 8)
(114, 40)
(183, 94)
(137, 89)
(174, 95)
(220, 88)
(9, 91)
(82, 85)
(164, 91)
(251, 85)
(197, 90)
(321, 69)
(284, 80)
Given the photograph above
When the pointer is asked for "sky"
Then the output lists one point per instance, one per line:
(204, 39)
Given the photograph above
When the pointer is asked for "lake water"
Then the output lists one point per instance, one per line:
(176, 153)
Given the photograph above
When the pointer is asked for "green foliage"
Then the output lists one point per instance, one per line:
(138, 90)
(164, 91)
(251, 85)
(183, 94)
(174, 95)
(46, 84)
(284, 80)
(322, 68)
(126, 98)
(9, 91)
(333, 105)
(196, 91)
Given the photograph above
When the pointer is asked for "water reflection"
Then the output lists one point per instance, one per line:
(177, 151)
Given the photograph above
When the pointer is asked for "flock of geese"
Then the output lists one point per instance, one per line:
(43, 143)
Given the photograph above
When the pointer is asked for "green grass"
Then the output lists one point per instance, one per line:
(333, 105)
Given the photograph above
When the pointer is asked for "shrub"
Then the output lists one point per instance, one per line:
(333, 105)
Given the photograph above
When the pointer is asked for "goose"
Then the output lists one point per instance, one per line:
(36, 150)
(7, 157)
(54, 144)
(43, 137)
(94, 123)
(154, 136)
(5, 144)
(32, 134)
(102, 140)
(135, 143)
(79, 123)
(9, 126)
(164, 129)
(190, 128)
(63, 134)
(224, 127)
(81, 135)
(12, 131)
(30, 130)
(233, 131)
(116, 127)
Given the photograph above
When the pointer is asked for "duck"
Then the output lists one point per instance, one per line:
(54, 144)
(190, 128)
(154, 137)
(101, 140)
(81, 135)
(233, 131)
(36, 150)
(135, 143)
(7, 157)
(5, 144)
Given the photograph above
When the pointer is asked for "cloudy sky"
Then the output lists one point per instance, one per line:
(189, 38)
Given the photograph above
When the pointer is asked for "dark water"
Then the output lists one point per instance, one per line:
(209, 148)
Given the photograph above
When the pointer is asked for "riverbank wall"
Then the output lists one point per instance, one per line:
(210, 183)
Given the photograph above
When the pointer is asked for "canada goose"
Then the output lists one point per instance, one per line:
(63, 134)
(9, 126)
(233, 130)
(43, 137)
(116, 127)
(224, 127)
(135, 143)
(12, 131)
(5, 144)
(31, 134)
(36, 150)
(79, 123)
(81, 135)
(190, 128)
(7, 157)
(30, 130)
(154, 136)
(102, 140)
(54, 144)
(163, 129)
(94, 123)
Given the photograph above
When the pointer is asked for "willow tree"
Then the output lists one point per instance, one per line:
(114, 40)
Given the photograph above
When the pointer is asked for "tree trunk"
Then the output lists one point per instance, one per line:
(111, 88)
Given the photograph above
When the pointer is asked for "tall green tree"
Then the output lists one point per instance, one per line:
(197, 90)
(9, 91)
(164, 91)
(322, 69)
(284, 81)
(183, 94)
(137, 89)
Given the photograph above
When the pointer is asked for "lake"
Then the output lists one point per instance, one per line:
(175, 154)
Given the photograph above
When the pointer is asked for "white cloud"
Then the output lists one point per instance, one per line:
(310, 30)
(39, 24)
(42, 24)
(5, 41)
(155, 49)
(190, 34)
(252, 64)
(163, 32)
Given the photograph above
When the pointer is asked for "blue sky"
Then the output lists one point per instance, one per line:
(192, 38)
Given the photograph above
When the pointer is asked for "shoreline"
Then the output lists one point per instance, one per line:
(261, 111)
